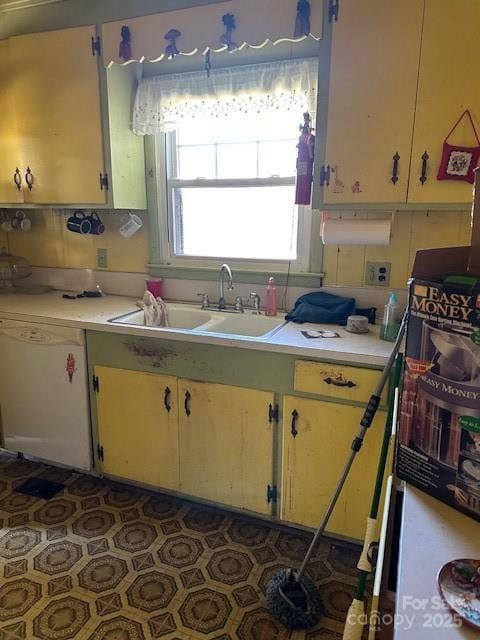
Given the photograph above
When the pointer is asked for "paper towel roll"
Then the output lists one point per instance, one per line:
(348, 231)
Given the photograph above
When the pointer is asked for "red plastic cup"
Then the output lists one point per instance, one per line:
(154, 285)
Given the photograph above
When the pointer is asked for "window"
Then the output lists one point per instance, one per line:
(226, 163)
(231, 189)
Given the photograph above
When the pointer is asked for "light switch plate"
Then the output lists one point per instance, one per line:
(102, 258)
(377, 274)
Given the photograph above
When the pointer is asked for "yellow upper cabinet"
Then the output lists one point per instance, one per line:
(371, 101)
(8, 132)
(448, 84)
(55, 87)
(400, 77)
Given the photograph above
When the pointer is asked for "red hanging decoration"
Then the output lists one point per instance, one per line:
(302, 21)
(70, 368)
(459, 163)
(306, 144)
(125, 49)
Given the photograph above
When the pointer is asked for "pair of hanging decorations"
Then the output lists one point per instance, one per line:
(459, 163)
(301, 29)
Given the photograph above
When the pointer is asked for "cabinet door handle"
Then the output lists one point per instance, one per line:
(423, 177)
(17, 178)
(186, 403)
(166, 398)
(395, 159)
(340, 382)
(29, 178)
(294, 423)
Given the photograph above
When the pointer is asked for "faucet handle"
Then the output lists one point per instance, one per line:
(256, 301)
(239, 304)
(205, 300)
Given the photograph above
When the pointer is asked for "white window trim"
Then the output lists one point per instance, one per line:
(165, 215)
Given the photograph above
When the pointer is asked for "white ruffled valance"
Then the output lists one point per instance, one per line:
(163, 101)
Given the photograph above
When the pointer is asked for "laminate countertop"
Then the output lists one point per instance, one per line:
(94, 314)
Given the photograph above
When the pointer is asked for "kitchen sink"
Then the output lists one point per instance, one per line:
(189, 318)
(242, 324)
(180, 316)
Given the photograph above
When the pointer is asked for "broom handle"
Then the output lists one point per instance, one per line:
(365, 423)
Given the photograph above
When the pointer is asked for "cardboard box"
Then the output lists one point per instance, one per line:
(439, 433)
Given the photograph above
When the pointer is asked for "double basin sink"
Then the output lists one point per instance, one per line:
(192, 319)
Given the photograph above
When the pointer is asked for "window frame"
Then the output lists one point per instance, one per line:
(164, 189)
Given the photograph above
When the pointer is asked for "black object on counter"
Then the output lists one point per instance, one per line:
(84, 294)
(322, 308)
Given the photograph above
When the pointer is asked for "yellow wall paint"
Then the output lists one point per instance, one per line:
(412, 230)
(50, 244)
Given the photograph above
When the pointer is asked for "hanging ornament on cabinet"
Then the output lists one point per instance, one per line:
(171, 49)
(229, 22)
(458, 163)
(125, 49)
(208, 64)
(302, 21)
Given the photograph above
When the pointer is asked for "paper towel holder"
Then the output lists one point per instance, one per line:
(355, 231)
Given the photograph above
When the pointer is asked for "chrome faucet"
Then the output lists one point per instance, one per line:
(224, 269)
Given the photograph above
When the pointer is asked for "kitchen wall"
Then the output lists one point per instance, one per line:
(411, 230)
(50, 244)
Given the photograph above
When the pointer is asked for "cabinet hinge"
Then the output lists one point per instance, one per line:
(273, 413)
(96, 46)
(104, 181)
(95, 383)
(325, 175)
(100, 452)
(271, 493)
(333, 10)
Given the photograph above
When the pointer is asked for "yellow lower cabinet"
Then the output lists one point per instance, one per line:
(316, 442)
(137, 416)
(226, 444)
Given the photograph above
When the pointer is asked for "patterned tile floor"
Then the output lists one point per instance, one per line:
(104, 561)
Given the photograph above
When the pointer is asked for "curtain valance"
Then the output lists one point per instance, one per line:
(163, 101)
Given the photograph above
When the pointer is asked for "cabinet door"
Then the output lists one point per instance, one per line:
(9, 158)
(314, 459)
(226, 444)
(55, 85)
(371, 101)
(448, 84)
(138, 433)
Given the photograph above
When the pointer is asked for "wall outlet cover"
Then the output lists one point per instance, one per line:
(102, 258)
(377, 274)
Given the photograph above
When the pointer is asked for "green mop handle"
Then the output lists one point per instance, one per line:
(365, 423)
(364, 564)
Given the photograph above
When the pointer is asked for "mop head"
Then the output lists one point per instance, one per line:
(297, 604)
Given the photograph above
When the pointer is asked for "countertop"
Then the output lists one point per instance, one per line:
(432, 534)
(94, 313)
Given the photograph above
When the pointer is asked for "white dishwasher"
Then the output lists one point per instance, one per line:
(44, 407)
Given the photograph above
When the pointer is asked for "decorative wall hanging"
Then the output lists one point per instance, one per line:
(125, 48)
(306, 144)
(302, 21)
(171, 49)
(258, 24)
(458, 163)
(229, 21)
(70, 367)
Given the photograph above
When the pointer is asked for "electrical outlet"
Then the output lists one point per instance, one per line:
(377, 274)
(102, 258)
